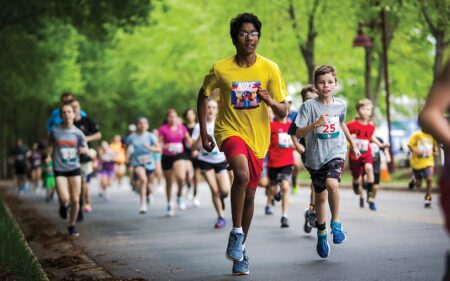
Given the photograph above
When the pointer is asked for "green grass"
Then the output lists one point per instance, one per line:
(14, 256)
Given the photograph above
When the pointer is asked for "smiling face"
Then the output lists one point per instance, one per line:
(326, 84)
(247, 39)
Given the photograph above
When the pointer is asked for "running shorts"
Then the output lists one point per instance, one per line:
(168, 160)
(357, 166)
(73, 173)
(332, 169)
(423, 173)
(278, 174)
(218, 167)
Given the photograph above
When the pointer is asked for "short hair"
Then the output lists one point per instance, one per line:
(185, 113)
(64, 105)
(168, 112)
(239, 20)
(322, 70)
(141, 118)
(363, 102)
(66, 95)
(307, 89)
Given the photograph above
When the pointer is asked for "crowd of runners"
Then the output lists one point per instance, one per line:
(245, 136)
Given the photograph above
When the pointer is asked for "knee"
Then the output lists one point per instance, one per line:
(242, 178)
(249, 196)
(74, 200)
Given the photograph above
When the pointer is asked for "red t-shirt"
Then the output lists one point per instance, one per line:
(363, 136)
(281, 146)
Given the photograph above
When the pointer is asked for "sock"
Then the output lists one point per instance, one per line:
(237, 230)
(321, 227)
(356, 188)
(285, 215)
(370, 187)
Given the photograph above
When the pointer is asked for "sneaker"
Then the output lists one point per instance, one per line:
(372, 206)
(427, 203)
(72, 231)
(169, 211)
(361, 202)
(268, 210)
(181, 204)
(63, 211)
(337, 232)
(294, 190)
(234, 247)
(307, 227)
(88, 208)
(312, 218)
(284, 222)
(221, 222)
(143, 210)
(323, 247)
(411, 184)
(241, 267)
(196, 202)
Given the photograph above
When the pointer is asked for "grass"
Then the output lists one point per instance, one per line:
(15, 257)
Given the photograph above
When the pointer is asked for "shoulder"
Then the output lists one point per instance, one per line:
(340, 101)
(265, 61)
(223, 62)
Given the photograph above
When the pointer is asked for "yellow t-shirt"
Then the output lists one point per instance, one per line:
(424, 143)
(241, 113)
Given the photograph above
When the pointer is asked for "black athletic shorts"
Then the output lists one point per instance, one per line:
(276, 175)
(168, 160)
(376, 177)
(20, 169)
(332, 169)
(73, 173)
(218, 167)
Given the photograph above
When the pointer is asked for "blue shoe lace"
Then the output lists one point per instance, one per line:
(337, 232)
(323, 248)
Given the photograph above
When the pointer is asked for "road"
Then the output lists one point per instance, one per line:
(400, 241)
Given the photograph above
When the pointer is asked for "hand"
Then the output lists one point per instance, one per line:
(322, 120)
(356, 151)
(208, 143)
(386, 145)
(194, 153)
(264, 96)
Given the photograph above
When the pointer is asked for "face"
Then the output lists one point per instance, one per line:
(67, 114)
(310, 95)
(76, 108)
(142, 125)
(326, 84)
(365, 111)
(212, 108)
(172, 118)
(117, 138)
(247, 39)
(190, 116)
(35, 146)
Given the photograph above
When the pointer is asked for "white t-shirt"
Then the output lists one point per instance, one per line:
(215, 156)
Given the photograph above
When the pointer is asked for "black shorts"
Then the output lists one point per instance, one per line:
(168, 160)
(73, 173)
(276, 175)
(332, 169)
(147, 172)
(376, 177)
(423, 173)
(218, 167)
(20, 169)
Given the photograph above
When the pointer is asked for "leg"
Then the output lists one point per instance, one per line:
(142, 185)
(215, 196)
(179, 170)
(247, 214)
(62, 189)
(239, 166)
(168, 177)
(74, 189)
(285, 196)
(333, 197)
(321, 200)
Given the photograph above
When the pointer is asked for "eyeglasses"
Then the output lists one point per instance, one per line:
(245, 34)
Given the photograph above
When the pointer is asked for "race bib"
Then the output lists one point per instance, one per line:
(375, 150)
(363, 145)
(426, 148)
(175, 148)
(145, 159)
(243, 94)
(284, 140)
(329, 130)
(212, 153)
(68, 154)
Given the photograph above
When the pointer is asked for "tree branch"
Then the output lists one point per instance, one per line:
(432, 27)
(294, 22)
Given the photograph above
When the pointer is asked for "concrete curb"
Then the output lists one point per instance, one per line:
(27, 247)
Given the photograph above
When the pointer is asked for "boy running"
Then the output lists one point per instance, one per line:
(249, 84)
(322, 122)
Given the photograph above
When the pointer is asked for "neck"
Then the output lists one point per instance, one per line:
(191, 123)
(326, 100)
(245, 60)
(363, 121)
(210, 119)
(67, 125)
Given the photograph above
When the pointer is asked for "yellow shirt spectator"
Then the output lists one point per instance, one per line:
(239, 104)
(423, 147)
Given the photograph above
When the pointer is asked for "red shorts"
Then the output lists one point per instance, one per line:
(233, 146)
(357, 166)
(444, 184)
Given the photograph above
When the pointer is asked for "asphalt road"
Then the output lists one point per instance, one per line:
(400, 241)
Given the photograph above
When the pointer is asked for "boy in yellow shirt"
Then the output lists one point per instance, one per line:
(423, 148)
(249, 85)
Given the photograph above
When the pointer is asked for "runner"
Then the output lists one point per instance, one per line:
(376, 155)
(362, 130)
(213, 166)
(18, 157)
(264, 179)
(55, 117)
(433, 121)
(49, 178)
(423, 149)
(36, 165)
(158, 174)
(66, 142)
(249, 84)
(143, 144)
(106, 158)
(90, 129)
(280, 164)
(191, 117)
(117, 148)
(308, 92)
(321, 121)
(173, 134)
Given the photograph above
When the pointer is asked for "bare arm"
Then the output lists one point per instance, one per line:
(94, 137)
(298, 146)
(377, 142)
(349, 138)
(207, 140)
(279, 108)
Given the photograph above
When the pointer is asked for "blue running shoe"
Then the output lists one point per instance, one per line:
(372, 206)
(234, 248)
(221, 222)
(337, 232)
(241, 267)
(323, 248)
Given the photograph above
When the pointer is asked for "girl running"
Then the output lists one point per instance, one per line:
(119, 158)
(36, 162)
(192, 155)
(106, 158)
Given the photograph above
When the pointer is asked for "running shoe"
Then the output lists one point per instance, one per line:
(411, 184)
(63, 211)
(181, 204)
(294, 190)
(323, 247)
(196, 202)
(169, 211)
(337, 232)
(284, 222)
(361, 202)
(72, 231)
(427, 203)
(221, 222)
(143, 210)
(241, 267)
(307, 227)
(268, 210)
(277, 196)
(88, 208)
(372, 205)
(234, 247)
(312, 218)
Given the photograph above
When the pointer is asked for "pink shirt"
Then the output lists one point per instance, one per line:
(173, 137)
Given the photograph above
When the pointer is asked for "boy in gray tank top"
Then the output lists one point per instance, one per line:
(322, 122)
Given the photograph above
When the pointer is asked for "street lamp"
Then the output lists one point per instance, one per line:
(362, 40)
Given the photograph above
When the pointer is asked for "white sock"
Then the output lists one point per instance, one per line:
(237, 230)
(285, 215)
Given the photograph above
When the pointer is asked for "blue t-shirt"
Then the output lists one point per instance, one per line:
(141, 156)
(55, 119)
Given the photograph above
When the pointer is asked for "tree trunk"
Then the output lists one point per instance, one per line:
(439, 55)
(368, 73)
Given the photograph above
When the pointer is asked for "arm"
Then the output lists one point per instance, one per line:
(94, 137)
(187, 139)
(298, 146)
(350, 140)
(279, 108)
(377, 142)
(207, 140)
(302, 132)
